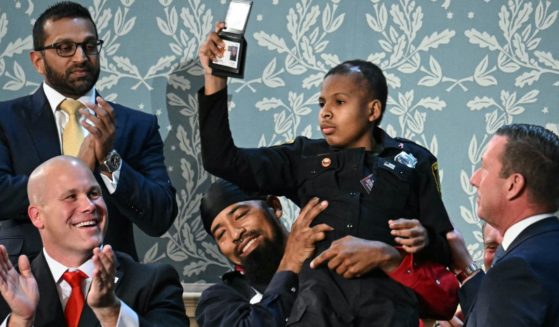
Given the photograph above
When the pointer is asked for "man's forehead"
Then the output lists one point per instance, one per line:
(71, 178)
(54, 28)
(495, 147)
(230, 211)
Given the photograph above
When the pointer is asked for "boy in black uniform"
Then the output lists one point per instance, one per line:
(367, 177)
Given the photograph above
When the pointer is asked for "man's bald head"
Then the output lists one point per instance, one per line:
(37, 185)
(67, 207)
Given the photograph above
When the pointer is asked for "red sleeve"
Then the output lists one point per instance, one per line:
(434, 285)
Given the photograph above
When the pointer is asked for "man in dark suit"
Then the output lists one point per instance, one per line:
(67, 208)
(120, 145)
(518, 194)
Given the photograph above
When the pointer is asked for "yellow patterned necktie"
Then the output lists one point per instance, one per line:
(72, 135)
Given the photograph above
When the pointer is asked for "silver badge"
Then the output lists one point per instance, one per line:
(406, 159)
(368, 182)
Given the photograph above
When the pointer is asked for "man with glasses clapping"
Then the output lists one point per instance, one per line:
(67, 116)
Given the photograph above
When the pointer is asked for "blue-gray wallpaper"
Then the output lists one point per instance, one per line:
(457, 71)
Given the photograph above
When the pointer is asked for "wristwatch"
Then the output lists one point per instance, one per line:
(467, 272)
(111, 163)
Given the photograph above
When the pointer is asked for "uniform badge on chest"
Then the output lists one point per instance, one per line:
(368, 182)
(406, 159)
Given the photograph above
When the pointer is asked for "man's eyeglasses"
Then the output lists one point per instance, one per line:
(68, 48)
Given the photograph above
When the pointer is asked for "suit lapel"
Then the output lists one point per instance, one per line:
(88, 318)
(120, 126)
(542, 226)
(49, 311)
(539, 227)
(118, 276)
(40, 123)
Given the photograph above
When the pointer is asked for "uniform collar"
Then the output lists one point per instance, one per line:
(385, 141)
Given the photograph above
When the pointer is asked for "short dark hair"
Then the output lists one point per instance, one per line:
(371, 74)
(533, 152)
(65, 9)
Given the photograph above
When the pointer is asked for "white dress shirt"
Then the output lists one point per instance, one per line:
(512, 233)
(126, 318)
(61, 117)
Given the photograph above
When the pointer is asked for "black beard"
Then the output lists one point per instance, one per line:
(262, 263)
(72, 88)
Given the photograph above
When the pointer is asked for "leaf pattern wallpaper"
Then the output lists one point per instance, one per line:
(457, 71)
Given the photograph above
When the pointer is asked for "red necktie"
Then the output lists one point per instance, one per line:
(75, 302)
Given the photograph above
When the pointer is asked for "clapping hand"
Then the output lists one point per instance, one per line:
(20, 290)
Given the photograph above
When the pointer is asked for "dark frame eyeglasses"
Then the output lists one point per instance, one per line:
(68, 48)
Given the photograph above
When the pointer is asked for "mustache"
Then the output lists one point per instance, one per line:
(244, 236)
(81, 66)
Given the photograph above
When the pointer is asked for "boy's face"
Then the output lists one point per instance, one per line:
(346, 112)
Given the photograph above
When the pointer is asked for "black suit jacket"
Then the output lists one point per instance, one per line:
(153, 291)
(144, 195)
(522, 288)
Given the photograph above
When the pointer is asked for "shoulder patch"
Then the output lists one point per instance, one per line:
(435, 170)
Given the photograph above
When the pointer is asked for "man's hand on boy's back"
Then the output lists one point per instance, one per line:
(303, 237)
(409, 233)
(352, 257)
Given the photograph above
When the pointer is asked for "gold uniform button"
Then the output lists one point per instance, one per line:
(326, 162)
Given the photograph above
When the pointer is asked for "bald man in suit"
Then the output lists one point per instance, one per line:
(68, 210)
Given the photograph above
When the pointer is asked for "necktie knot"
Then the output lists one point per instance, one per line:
(75, 303)
(72, 135)
(74, 278)
(71, 106)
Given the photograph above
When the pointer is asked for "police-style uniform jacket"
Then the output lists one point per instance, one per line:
(235, 302)
(364, 190)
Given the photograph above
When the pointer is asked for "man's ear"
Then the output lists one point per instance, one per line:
(34, 214)
(375, 110)
(38, 61)
(275, 205)
(516, 186)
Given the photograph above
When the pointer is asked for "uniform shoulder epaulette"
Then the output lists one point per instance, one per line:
(411, 143)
